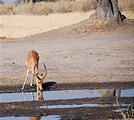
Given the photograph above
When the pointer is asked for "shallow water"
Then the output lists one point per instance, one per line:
(48, 95)
(50, 117)
(69, 106)
(70, 96)
(127, 93)
(63, 95)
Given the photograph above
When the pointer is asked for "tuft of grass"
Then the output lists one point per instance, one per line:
(5, 9)
(129, 114)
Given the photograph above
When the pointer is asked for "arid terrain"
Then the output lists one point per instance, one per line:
(81, 56)
(72, 54)
(25, 25)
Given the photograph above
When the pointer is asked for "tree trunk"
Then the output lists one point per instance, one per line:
(108, 12)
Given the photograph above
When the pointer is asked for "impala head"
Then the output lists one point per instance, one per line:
(40, 76)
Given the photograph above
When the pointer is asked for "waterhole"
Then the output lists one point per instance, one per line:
(70, 94)
(50, 117)
(55, 105)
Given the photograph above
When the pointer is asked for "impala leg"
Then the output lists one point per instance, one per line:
(24, 96)
(32, 79)
(32, 96)
(25, 79)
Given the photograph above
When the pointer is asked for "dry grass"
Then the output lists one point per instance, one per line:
(5, 9)
(45, 8)
(95, 26)
(129, 114)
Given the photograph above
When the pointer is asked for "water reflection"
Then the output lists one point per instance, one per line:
(68, 94)
(34, 118)
(39, 98)
(110, 92)
(113, 100)
(49, 117)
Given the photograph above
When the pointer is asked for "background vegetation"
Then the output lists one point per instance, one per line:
(61, 6)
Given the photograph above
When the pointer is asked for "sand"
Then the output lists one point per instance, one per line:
(15, 26)
(90, 58)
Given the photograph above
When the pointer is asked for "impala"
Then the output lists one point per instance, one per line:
(32, 60)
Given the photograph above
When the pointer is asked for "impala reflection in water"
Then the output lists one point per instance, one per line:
(39, 98)
(114, 101)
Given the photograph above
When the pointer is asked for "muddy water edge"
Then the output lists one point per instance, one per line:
(68, 101)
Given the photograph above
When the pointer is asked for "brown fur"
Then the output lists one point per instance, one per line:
(31, 60)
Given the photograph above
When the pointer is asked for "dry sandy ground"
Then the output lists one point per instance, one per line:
(14, 26)
(98, 58)
(107, 58)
